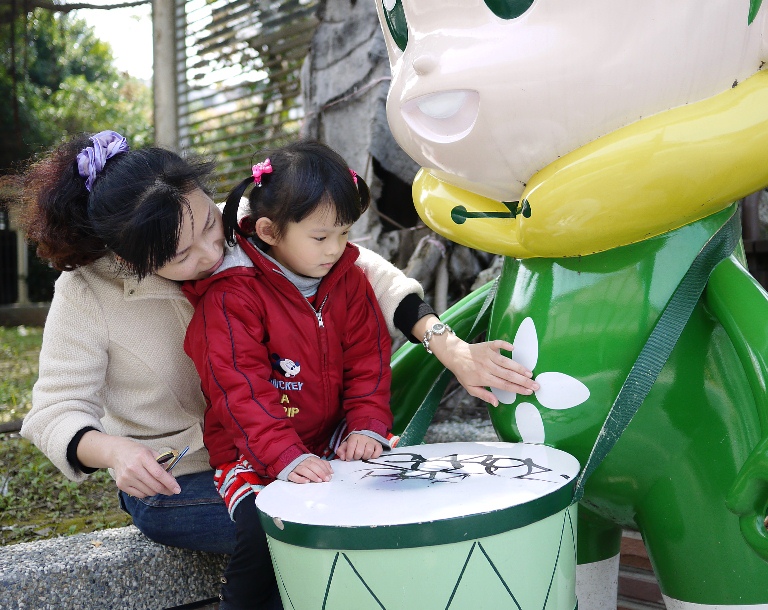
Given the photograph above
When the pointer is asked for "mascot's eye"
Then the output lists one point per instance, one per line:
(398, 27)
(508, 9)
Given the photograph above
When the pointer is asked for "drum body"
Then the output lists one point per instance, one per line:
(450, 525)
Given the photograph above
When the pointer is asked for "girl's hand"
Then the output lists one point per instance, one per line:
(311, 470)
(480, 365)
(359, 447)
(137, 472)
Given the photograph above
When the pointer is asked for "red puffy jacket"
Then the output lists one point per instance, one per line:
(277, 373)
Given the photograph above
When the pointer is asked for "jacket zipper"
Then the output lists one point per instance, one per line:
(324, 348)
(319, 312)
(323, 342)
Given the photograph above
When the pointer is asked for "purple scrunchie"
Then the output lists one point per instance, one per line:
(91, 160)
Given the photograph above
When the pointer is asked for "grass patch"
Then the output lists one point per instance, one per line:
(19, 352)
(36, 500)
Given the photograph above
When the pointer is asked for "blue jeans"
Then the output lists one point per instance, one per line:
(249, 581)
(195, 519)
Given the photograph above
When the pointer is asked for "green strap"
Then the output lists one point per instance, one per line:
(660, 343)
(417, 428)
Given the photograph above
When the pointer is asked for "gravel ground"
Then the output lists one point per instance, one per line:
(91, 570)
(471, 430)
(460, 417)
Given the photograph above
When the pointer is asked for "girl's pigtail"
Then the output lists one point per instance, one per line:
(364, 192)
(230, 210)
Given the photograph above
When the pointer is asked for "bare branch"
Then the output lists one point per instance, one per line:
(49, 5)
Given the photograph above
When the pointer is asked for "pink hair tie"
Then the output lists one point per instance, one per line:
(354, 175)
(265, 167)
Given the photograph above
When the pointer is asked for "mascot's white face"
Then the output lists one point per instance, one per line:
(487, 93)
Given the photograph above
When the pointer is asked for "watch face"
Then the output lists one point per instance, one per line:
(438, 328)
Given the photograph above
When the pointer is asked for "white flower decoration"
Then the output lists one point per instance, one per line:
(557, 390)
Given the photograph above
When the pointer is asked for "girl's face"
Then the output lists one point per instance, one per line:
(201, 242)
(310, 247)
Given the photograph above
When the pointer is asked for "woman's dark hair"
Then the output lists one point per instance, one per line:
(305, 175)
(135, 208)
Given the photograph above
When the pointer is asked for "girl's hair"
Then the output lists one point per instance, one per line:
(134, 209)
(304, 176)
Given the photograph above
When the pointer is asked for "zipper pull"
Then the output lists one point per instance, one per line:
(319, 312)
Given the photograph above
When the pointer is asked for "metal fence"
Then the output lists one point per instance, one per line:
(239, 65)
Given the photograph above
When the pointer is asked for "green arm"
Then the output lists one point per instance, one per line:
(741, 306)
(415, 372)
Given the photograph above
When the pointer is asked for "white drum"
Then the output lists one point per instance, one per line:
(452, 525)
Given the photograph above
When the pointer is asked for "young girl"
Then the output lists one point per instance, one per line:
(290, 344)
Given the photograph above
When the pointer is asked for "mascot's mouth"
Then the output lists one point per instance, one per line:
(460, 214)
(446, 116)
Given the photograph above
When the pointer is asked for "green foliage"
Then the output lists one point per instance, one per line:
(58, 46)
(19, 351)
(64, 83)
(37, 501)
(115, 104)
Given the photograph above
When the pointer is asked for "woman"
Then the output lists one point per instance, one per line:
(115, 388)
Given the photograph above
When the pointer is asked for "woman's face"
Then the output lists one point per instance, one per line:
(201, 242)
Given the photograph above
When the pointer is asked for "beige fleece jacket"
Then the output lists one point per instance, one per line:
(113, 359)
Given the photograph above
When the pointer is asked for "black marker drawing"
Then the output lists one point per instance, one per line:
(451, 468)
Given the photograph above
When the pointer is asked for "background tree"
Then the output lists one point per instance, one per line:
(57, 79)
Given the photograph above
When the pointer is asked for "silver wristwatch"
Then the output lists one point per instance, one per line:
(438, 328)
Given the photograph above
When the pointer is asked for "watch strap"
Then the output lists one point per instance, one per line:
(438, 328)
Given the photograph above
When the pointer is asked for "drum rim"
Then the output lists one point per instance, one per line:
(421, 534)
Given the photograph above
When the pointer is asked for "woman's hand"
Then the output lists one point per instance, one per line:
(137, 472)
(359, 447)
(478, 365)
(311, 470)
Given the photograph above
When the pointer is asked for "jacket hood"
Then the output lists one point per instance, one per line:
(255, 263)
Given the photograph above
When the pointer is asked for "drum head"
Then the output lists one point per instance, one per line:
(422, 495)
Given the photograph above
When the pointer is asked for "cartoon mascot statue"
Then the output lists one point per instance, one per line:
(599, 146)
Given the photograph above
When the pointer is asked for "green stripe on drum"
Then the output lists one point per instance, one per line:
(426, 533)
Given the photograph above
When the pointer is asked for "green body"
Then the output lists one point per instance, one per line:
(691, 470)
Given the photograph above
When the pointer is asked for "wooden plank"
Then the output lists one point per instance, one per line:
(633, 553)
(638, 588)
(639, 585)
